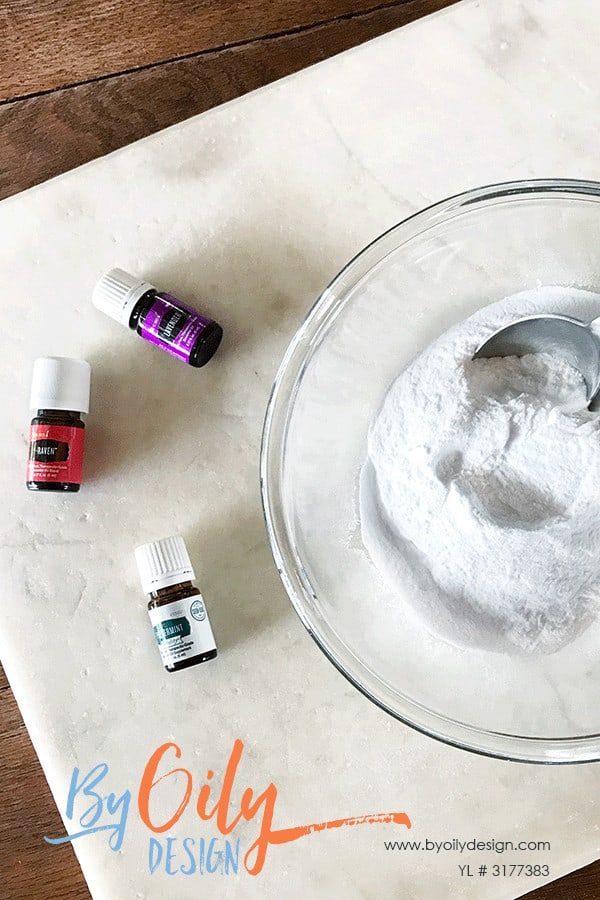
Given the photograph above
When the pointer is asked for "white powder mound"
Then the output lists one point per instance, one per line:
(480, 497)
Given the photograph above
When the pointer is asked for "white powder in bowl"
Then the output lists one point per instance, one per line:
(480, 496)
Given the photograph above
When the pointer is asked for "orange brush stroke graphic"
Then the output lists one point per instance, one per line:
(251, 806)
(292, 834)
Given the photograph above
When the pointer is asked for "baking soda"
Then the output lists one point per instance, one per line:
(480, 496)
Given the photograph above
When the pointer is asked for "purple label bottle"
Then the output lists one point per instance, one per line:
(158, 317)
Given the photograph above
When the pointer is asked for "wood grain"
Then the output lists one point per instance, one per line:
(584, 884)
(45, 44)
(44, 136)
(23, 855)
(140, 67)
(29, 868)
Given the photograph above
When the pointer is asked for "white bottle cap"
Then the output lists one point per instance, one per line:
(59, 382)
(117, 292)
(163, 563)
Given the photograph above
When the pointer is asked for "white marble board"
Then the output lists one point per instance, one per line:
(250, 209)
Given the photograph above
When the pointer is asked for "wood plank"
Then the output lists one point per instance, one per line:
(45, 44)
(584, 884)
(43, 136)
(29, 868)
(23, 822)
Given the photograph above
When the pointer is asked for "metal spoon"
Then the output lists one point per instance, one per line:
(576, 341)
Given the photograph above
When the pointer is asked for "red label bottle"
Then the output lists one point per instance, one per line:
(60, 393)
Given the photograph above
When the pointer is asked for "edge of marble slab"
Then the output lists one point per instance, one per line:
(461, 5)
(30, 710)
(454, 9)
(27, 706)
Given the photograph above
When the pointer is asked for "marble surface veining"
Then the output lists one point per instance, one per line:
(248, 211)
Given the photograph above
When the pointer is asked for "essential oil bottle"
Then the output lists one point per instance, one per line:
(158, 317)
(60, 392)
(176, 607)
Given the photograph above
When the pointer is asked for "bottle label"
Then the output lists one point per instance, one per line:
(182, 629)
(55, 453)
(172, 325)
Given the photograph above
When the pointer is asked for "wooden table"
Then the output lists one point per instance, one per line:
(79, 78)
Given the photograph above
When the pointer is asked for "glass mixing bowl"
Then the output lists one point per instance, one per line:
(395, 297)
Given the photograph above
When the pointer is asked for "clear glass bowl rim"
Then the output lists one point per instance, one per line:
(513, 747)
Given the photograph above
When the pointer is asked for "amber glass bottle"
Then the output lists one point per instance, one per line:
(60, 393)
(176, 608)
